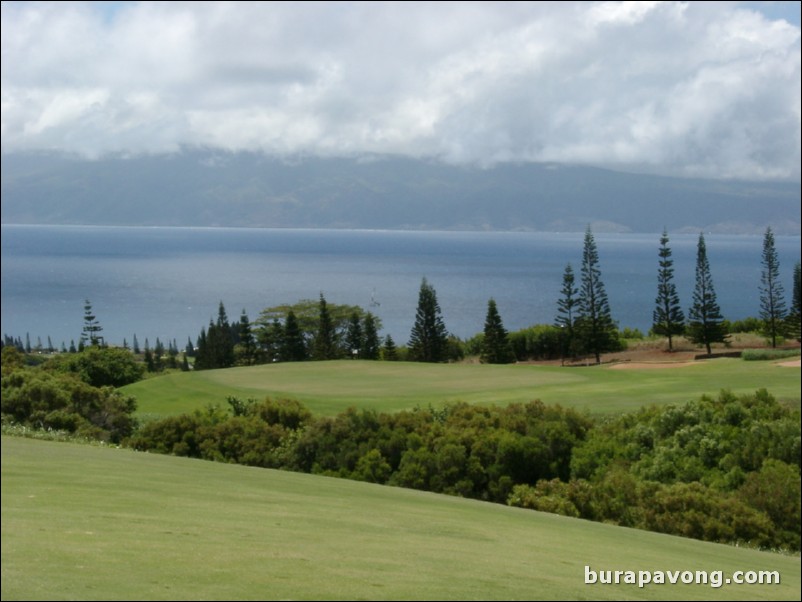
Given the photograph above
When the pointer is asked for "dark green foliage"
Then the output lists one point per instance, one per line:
(354, 339)
(754, 325)
(389, 352)
(43, 399)
(668, 319)
(270, 339)
(293, 346)
(325, 345)
(704, 470)
(307, 316)
(92, 328)
(245, 351)
(705, 324)
(772, 303)
(595, 331)
(462, 449)
(215, 348)
(541, 342)
(428, 341)
(371, 348)
(794, 320)
(100, 366)
(496, 348)
(567, 307)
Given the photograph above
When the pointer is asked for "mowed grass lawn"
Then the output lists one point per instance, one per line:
(330, 387)
(90, 523)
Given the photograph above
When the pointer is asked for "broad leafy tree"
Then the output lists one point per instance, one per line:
(667, 319)
(428, 341)
(496, 348)
(772, 303)
(705, 324)
(595, 329)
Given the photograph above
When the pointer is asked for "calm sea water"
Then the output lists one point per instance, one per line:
(167, 282)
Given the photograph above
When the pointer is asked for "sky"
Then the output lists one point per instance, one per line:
(691, 89)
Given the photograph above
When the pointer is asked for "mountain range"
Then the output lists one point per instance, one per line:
(213, 188)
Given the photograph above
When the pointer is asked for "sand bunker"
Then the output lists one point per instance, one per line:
(797, 363)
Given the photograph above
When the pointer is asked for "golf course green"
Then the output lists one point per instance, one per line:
(330, 387)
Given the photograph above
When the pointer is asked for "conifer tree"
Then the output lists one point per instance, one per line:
(566, 311)
(247, 341)
(772, 303)
(594, 327)
(371, 347)
(496, 348)
(429, 339)
(667, 319)
(92, 328)
(325, 345)
(794, 320)
(354, 339)
(389, 350)
(705, 324)
(293, 347)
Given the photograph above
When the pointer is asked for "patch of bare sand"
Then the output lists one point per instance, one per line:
(651, 365)
(797, 363)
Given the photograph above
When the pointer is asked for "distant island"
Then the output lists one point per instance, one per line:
(212, 188)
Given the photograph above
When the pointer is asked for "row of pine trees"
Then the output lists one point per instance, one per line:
(320, 331)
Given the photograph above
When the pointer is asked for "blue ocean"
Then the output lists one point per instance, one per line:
(168, 282)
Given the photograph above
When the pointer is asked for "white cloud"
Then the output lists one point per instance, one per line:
(707, 89)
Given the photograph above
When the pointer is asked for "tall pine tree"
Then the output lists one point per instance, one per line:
(325, 345)
(772, 303)
(372, 347)
(794, 320)
(428, 340)
(705, 324)
(566, 312)
(496, 348)
(354, 338)
(293, 346)
(667, 319)
(92, 328)
(247, 341)
(595, 329)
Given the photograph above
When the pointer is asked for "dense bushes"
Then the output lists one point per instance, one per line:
(100, 366)
(62, 401)
(724, 469)
(466, 450)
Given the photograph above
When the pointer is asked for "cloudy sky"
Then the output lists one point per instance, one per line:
(683, 88)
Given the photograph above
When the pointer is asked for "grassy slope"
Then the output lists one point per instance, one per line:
(82, 522)
(330, 387)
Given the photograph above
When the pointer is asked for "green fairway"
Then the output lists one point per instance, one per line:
(81, 522)
(330, 387)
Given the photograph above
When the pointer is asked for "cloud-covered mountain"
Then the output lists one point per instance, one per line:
(204, 188)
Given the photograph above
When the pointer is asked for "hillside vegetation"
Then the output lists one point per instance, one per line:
(92, 523)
